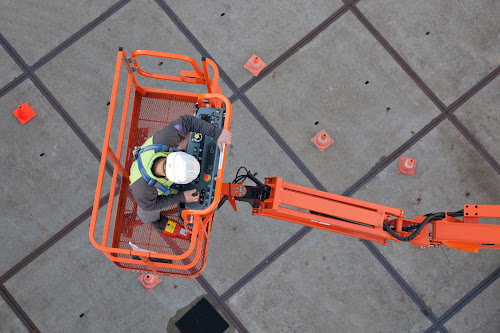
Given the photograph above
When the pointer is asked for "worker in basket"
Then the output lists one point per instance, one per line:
(159, 171)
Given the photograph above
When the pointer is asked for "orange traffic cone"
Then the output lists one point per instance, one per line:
(407, 166)
(24, 113)
(149, 280)
(322, 140)
(254, 65)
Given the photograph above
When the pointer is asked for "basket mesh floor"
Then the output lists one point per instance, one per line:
(152, 113)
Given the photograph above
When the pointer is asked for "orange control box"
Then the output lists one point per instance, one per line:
(176, 230)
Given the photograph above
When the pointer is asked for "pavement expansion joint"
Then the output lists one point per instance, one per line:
(474, 142)
(69, 120)
(264, 263)
(27, 72)
(14, 83)
(274, 134)
(13, 53)
(78, 35)
(221, 305)
(397, 57)
(469, 297)
(23, 317)
(402, 283)
(170, 13)
(475, 89)
(292, 50)
(51, 241)
(388, 160)
(350, 2)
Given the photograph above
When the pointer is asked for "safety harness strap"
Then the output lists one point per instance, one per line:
(142, 170)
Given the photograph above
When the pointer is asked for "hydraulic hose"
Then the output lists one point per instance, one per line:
(429, 218)
(418, 228)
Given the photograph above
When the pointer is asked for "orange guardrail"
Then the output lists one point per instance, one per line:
(183, 258)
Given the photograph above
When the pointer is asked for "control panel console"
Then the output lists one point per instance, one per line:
(207, 152)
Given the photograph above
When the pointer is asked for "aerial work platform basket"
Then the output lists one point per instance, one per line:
(134, 245)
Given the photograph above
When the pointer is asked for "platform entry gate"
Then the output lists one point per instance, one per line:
(138, 246)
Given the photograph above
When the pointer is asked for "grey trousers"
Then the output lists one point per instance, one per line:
(148, 216)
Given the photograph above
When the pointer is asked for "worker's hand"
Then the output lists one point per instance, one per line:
(225, 137)
(189, 197)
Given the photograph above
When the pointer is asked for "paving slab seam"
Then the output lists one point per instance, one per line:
(52, 100)
(23, 317)
(474, 142)
(234, 98)
(351, 2)
(69, 120)
(13, 54)
(301, 233)
(79, 34)
(467, 299)
(233, 319)
(288, 53)
(28, 71)
(430, 93)
(472, 91)
(394, 155)
(404, 285)
(194, 41)
(12, 84)
(19, 61)
(264, 263)
(51, 241)
(433, 329)
(209, 289)
(292, 50)
(52, 54)
(395, 55)
(463, 129)
(283, 145)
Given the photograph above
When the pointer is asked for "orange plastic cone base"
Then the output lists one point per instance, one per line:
(254, 65)
(149, 280)
(407, 166)
(322, 140)
(24, 113)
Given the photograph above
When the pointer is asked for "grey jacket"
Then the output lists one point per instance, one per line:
(147, 196)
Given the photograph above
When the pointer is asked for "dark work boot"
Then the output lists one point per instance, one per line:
(180, 207)
(161, 223)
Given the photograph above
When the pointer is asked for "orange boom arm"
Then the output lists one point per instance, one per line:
(361, 219)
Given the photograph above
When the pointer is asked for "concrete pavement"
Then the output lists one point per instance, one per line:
(384, 78)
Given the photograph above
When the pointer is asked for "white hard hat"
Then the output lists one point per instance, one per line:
(181, 168)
